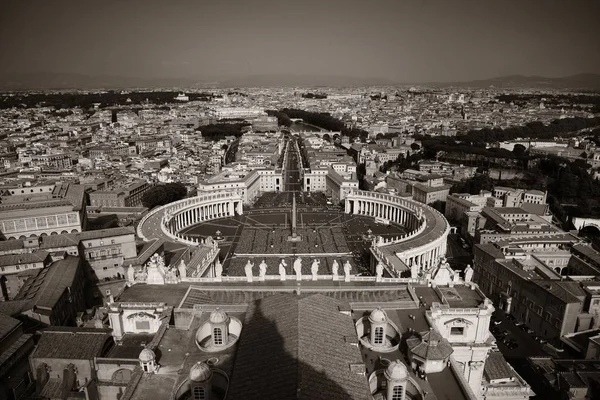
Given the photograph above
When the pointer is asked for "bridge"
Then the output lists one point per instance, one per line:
(581, 223)
(318, 133)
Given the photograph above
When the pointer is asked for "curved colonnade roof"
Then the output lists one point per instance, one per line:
(436, 226)
(435, 223)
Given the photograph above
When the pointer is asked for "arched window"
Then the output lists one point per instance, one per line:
(217, 336)
(397, 392)
(199, 393)
(378, 335)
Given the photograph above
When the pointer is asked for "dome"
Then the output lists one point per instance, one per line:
(396, 371)
(147, 355)
(378, 315)
(200, 372)
(218, 317)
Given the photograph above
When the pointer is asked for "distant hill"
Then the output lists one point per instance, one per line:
(304, 81)
(46, 81)
(579, 81)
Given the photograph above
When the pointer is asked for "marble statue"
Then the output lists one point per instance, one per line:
(468, 273)
(262, 270)
(248, 270)
(347, 269)
(314, 269)
(282, 272)
(378, 271)
(298, 268)
(218, 269)
(380, 241)
(334, 269)
(182, 270)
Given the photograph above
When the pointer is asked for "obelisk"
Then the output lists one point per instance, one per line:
(294, 215)
(294, 237)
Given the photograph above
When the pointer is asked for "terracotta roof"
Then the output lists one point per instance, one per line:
(496, 367)
(293, 347)
(102, 233)
(73, 344)
(48, 286)
(27, 258)
(430, 346)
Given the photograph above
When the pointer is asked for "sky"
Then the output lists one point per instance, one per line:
(399, 40)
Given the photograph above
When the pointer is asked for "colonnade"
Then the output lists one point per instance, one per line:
(426, 240)
(393, 213)
(203, 212)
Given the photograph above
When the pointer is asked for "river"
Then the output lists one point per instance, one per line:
(304, 127)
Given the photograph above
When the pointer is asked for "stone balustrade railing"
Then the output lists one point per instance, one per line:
(305, 278)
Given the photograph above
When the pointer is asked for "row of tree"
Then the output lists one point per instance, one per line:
(313, 96)
(325, 121)
(578, 101)
(282, 118)
(220, 131)
(572, 190)
(163, 194)
(562, 127)
(87, 100)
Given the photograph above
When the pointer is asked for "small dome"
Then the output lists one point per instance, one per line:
(200, 372)
(396, 371)
(218, 317)
(378, 315)
(147, 355)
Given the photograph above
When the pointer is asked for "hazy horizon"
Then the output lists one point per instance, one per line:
(401, 42)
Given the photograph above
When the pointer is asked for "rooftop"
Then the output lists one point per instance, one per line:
(72, 343)
(280, 331)
(48, 286)
(26, 258)
(7, 325)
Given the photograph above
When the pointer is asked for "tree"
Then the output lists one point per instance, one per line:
(415, 146)
(519, 150)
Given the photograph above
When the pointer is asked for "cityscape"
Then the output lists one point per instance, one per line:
(226, 201)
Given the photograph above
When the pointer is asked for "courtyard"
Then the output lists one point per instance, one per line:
(263, 234)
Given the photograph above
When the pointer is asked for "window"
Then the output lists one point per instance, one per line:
(112, 241)
(457, 330)
(90, 244)
(217, 336)
(378, 335)
(198, 393)
(397, 392)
